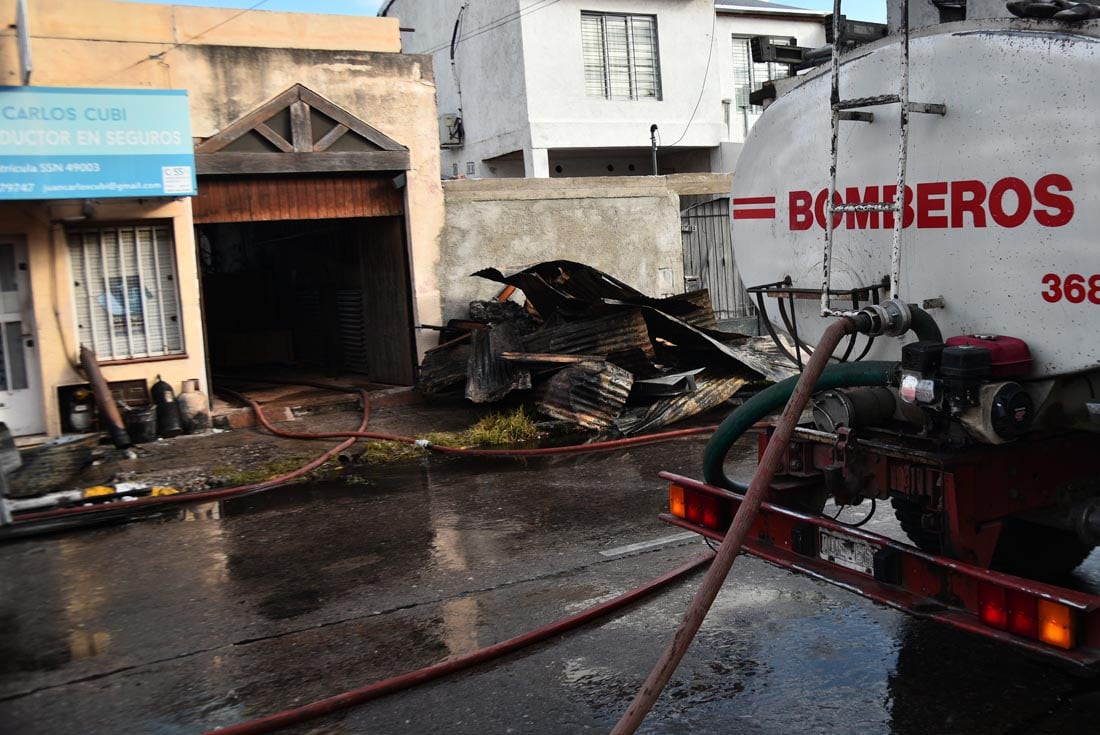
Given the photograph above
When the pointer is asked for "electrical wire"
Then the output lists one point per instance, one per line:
(160, 54)
(494, 24)
(706, 74)
(862, 522)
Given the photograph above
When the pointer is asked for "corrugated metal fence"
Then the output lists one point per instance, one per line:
(708, 256)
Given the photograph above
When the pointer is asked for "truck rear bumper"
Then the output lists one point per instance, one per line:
(1054, 622)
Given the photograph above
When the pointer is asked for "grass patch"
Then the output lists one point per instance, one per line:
(233, 477)
(494, 430)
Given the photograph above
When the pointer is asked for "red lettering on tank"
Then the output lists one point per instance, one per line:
(1009, 202)
(931, 201)
(802, 217)
(997, 202)
(1062, 205)
(862, 220)
(967, 197)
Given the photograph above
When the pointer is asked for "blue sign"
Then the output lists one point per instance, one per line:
(60, 143)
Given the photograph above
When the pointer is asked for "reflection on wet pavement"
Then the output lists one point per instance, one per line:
(225, 612)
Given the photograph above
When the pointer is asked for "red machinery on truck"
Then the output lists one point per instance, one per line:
(954, 220)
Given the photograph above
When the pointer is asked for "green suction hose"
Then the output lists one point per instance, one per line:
(770, 400)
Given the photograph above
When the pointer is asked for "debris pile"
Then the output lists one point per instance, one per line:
(594, 351)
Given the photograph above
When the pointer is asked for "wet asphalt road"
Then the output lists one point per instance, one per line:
(223, 613)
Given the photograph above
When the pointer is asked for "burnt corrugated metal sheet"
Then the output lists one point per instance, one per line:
(701, 313)
(590, 394)
(709, 392)
(490, 378)
(597, 336)
(562, 286)
(445, 368)
(709, 346)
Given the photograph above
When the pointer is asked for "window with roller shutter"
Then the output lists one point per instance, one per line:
(126, 290)
(620, 56)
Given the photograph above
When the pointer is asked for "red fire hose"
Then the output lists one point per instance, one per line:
(404, 681)
(350, 438)
(735, 537)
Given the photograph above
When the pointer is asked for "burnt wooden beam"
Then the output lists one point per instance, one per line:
(547, 358)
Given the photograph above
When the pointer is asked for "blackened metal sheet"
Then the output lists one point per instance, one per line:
(749, 352)
(590, 394)
(562, 285)
(693, 307)
(575, 289)
(709, 392)
(444, 368)
(613, 333)
(489, 378)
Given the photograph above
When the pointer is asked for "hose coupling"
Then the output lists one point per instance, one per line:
(891, 318)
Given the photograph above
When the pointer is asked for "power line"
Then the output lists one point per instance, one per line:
(174, 46)
(706, 73)
(231, 18)
(494, 24)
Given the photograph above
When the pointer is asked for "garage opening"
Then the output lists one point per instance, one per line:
(325, 297)
(300, 222)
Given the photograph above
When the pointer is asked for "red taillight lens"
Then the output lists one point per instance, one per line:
(702, 509)
(992, 606)
(1022, 614)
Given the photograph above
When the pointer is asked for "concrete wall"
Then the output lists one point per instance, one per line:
(228, 70)
(627, 227)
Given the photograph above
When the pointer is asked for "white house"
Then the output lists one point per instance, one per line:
(547, 88)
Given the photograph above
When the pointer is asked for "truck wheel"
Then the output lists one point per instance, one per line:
(909, 515)
(1038, 552)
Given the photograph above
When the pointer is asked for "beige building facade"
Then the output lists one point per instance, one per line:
(314, 238)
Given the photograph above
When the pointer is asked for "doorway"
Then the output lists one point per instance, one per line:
(21, 406)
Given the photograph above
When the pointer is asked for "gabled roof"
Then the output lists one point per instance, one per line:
(299, 131)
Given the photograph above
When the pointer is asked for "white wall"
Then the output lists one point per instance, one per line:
(562, 116)
(520, 64)
(489, 65)
(810, 34)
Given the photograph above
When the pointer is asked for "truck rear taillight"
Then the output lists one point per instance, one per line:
(1027, 616)
(696, 507)
(1057, 624)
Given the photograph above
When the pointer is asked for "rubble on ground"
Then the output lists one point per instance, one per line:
(589, 349)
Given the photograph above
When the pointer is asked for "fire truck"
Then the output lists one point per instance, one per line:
(940, 179)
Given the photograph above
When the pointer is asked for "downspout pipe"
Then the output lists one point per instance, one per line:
(108, 409)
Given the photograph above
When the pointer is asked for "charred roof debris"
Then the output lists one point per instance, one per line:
(591, 350)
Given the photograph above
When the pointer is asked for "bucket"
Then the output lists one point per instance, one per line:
(141, 424)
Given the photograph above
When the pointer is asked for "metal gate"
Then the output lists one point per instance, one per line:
(709, 262)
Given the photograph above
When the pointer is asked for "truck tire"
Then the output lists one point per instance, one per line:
(909, 514)
(1038, 552)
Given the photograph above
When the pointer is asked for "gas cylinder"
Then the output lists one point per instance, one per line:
(194, 411)
(168, 415)
(81, 410)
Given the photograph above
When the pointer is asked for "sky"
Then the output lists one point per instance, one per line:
(870, 10)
